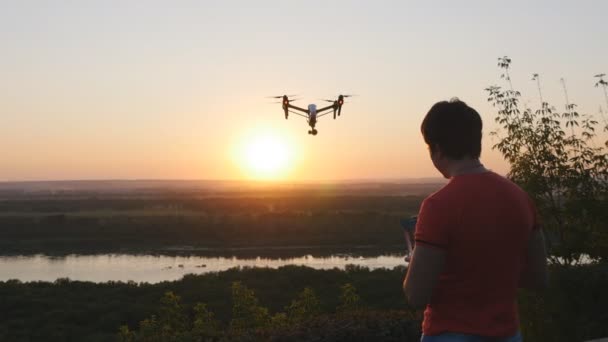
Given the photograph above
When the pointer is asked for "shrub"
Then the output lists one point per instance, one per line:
(553, 156)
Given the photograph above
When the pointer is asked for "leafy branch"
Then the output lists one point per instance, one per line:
(564, 173)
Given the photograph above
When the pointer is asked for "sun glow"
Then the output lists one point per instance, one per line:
(266, 156)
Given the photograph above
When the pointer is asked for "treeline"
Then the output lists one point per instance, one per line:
(253, 203)
(132, 226)
(301, 320)
(83, 311)
(572, 309)
(212, 189)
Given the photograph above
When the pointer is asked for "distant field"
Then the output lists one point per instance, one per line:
(107, 213)
(202, 189)
(322, 218)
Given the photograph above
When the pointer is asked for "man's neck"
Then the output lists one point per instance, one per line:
(465, 166)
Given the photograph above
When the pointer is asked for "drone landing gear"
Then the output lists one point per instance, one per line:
(313, 132)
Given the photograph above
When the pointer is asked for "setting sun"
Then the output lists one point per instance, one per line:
(266, 156)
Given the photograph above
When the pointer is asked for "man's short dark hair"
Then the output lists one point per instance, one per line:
(455, 128)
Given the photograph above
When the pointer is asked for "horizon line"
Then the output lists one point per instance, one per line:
(226, 180)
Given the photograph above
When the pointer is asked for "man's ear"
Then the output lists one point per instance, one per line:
(436, 151)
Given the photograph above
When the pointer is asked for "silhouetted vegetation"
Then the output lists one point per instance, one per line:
(559, 159)
(72, 310)
(289, 303)
(301, 321)
(555, 157)
(165, 224)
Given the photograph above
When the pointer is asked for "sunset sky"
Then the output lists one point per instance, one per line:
(176, 90)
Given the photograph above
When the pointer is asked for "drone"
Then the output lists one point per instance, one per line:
(312, 114)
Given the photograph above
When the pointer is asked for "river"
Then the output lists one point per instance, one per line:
(158, 268)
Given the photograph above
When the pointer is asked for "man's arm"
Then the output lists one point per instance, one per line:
(534, 275)
(422, 274)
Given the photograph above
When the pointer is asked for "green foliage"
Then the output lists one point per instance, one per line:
(553, 157)
(172, 324)
(149, 330)
(303, 308)
(279, 321)
(86, 311)
(247, 314)
(361, 325)
(349, 299)
(572, 309)
(303, 320)
(205, 327)
(575, 305)
(171, 318)
(125, 335)
(106, 224)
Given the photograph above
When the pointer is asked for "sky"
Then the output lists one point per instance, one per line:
(176, 90)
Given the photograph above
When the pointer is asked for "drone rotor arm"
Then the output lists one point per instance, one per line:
(289, 105)
(300, 114)
(324, 109)
(318, 116)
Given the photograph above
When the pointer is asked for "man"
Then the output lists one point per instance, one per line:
(477, 239)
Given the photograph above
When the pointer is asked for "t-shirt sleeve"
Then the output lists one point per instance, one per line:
(431, 227)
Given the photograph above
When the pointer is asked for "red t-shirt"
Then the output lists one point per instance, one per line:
(483, 222)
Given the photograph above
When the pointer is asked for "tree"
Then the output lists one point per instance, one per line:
(553, 156)
(170, 325)
(171, 317)
(304, 307)
(205, 327)
(349, 299)
(247, 314)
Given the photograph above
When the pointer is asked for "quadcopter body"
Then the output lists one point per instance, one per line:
(312, 113)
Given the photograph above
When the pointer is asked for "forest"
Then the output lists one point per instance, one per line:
(170, 223)
(289, 303)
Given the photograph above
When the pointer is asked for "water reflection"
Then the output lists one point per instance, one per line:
(157, 268)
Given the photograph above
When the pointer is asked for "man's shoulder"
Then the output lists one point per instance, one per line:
(464, 186)
(440, 196)
(508, 185)
(451, 188)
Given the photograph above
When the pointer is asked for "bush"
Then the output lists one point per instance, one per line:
(553, 156)
(302, 321)
(572, 309)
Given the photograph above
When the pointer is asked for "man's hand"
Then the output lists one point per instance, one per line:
(409, 227)
(410, 247)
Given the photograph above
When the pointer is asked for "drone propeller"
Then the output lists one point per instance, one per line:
(344, 96)
(290, 100)
(280, 96)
